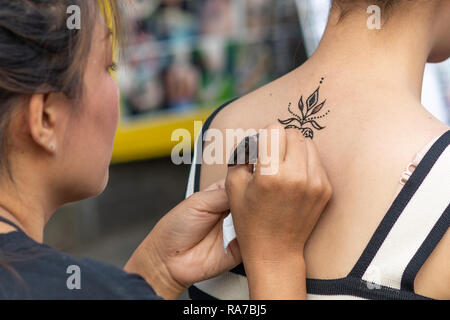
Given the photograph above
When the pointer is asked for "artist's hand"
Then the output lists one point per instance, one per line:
(275, 211)
(186, 246)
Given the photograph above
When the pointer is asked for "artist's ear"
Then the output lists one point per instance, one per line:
(42, 117)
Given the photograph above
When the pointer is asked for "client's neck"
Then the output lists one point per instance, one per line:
(390, 60)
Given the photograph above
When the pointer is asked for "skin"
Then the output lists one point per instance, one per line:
(60, 153)
(271, 239)
(376, 125)
(186, 245)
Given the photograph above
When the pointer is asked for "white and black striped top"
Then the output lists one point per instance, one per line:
(412, 227)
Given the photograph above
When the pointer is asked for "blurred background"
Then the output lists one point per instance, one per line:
(186, 58)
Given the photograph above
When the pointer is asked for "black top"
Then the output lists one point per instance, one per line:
(30, 270)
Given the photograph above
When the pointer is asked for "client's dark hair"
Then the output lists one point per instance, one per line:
(40, 54)
(385, 4)
(346, 6)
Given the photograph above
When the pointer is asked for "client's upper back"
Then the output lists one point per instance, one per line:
(364, 149)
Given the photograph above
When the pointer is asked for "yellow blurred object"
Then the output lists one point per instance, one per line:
(150, 137)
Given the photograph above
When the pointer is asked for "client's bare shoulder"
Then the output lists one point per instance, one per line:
(251, 111)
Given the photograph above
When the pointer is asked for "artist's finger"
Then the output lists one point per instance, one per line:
(214, 201)
(271, 149)
(238, 178)
(296, 159)
(218, 185)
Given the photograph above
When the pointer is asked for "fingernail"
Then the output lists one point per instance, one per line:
(246, 152)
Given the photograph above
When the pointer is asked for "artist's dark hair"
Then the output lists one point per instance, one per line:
(39, 53)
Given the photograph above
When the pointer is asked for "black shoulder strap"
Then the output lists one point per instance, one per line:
(396, 209)
(206, 125)
(425, 250)
(2, 219)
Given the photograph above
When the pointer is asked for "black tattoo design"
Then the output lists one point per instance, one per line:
(312, 107)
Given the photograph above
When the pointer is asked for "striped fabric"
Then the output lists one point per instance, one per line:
(413, 226)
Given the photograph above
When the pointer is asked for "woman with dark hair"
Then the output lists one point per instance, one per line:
(384, 233)
(58, 117)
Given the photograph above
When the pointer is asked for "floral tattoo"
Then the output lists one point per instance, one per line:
(312, 107)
